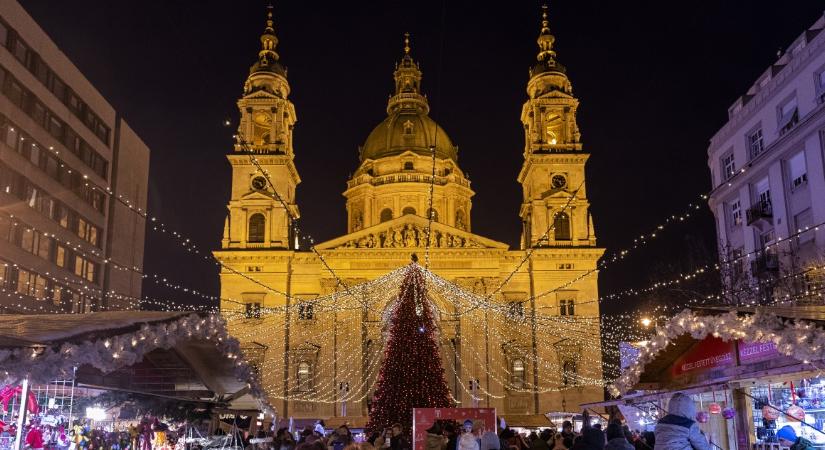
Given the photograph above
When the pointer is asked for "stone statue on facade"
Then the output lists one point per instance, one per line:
(409, 236)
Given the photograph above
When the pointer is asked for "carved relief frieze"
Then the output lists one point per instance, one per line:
(411, 236)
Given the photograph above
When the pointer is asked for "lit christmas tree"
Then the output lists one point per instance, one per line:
(411, 373)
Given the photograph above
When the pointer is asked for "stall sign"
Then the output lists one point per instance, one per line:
(755, 351)
(709, 353)
(424, 418)
(239, 420)
(50, 420)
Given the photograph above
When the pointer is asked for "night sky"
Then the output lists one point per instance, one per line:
(654, 83)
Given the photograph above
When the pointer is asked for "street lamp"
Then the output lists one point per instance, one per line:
(646, 321)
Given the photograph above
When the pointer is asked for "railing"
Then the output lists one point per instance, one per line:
(766, 262)
(759, 211)
(405, 178)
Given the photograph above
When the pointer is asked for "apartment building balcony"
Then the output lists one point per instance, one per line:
(760, 213)
(765, 263)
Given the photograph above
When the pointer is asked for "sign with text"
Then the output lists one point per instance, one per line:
(709, 353)
(756, 351)
(424, 418)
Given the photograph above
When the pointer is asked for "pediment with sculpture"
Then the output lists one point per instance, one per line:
(410, 231)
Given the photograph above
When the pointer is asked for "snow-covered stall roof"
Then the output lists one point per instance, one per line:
(194, 350)
(796, 332)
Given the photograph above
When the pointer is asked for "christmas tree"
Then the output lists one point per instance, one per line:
(411, 374)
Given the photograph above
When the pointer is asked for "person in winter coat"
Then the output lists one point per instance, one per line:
(591, 439)
(468, 441)
(490, 441)
(616, 439)
(435, 438)
(677, 430)
(787, 438)
(540, 441)
(558, 442)
(398, 441)
(340, 439)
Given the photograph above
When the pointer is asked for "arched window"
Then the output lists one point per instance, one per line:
(460, 221)
(304, 376)
(386, 214)
(432, 213)
(568, 373)
(408, 210)
(561, 226)
(408, 165)
(518, 373)
(257, 225)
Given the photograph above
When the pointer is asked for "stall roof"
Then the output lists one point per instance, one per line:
(810, 313)
(187, 355)
(794, 334)
(526, 420)
(50, 329)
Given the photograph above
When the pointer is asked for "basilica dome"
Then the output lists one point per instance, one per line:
(408, 130)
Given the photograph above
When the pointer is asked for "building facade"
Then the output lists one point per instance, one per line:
(71, 171)
(768, 180)
(309, 359)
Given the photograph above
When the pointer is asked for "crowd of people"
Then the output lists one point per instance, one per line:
(82, 435)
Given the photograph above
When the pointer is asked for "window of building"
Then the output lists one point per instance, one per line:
(518, 373)
(735, 212)
(561, 226)
(408, 165)
(386, 214)
(565, 266)
(756, 143)
(515, 310)
(252, 310)
(569, 373)
(306, 311)
(804, 221)
(737, 262)
(797, 170)
(257, 227)
(763, 192)
(20, 50)
(788, 115)
(408, 210)
(304, 376)
(820, 86)
(567, 307)
(728, 166)
(49, 121)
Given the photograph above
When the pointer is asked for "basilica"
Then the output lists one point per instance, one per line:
(407, 195)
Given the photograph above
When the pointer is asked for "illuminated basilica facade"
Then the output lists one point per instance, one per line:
(308, 357)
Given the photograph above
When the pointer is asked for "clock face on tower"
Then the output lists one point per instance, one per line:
(558, 181)
(259, 183)
(262, 118)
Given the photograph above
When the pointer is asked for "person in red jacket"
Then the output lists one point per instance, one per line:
(34, 438)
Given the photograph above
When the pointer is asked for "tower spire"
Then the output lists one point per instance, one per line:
(546, 39)
(406, 44)
(269, 41)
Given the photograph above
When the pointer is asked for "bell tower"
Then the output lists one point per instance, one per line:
(264, 176)
(552, 176)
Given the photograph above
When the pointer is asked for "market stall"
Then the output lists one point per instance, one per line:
(169, 358)
(750, 372)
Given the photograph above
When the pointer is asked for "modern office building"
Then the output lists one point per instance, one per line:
(72, 176)
(768, 192)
